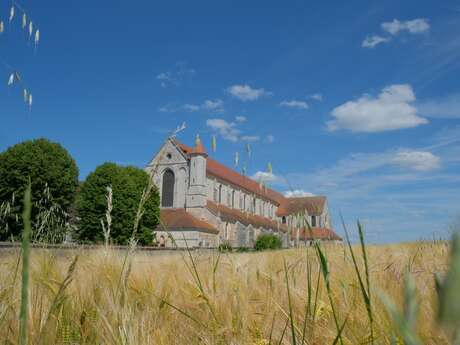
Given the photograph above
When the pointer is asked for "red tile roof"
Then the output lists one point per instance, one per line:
(179, 219)
(315, 234)
(313, 204)
(220, 171)
(233, 215)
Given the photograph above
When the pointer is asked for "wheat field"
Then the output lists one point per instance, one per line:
(108, 296)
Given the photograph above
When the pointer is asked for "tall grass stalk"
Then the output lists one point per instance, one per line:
(325, 271)
(365, 290)
(291, 314)
(23, 315)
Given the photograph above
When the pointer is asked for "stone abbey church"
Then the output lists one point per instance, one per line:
(204, 204)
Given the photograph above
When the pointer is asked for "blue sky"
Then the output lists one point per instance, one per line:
(357, 100)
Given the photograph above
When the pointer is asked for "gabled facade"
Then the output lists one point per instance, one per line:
(204, 204)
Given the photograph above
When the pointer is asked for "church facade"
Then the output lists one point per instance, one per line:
(205, 204)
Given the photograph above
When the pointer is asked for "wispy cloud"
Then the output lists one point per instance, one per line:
(444, 107)
(395, 28)
(240, 119)
(191, 107)
(270, 139)
(416, 160)
(213, 106)
(216, 105)
(246, 93)
(250, 138)
(176, 75)
(392, 109)
(294, 104)
(317, 97)
(165, 109)
(374, 40)
(414, 26)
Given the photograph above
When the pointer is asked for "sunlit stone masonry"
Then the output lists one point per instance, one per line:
(205, 204)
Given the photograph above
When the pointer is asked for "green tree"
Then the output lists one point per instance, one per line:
(268, 241)
(128, 184)
(54, 176)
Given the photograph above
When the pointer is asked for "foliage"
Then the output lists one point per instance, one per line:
(225, 246)
(54, 177)
(268, 241)
(127, 185)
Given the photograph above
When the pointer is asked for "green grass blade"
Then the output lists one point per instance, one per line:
(284, 332)
(364, 291)
(308, 304)
(325, 271)
(291, 314)
(340, 332)
(366, 271)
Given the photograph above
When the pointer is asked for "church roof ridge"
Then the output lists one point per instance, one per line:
(287, 205)
(223, 172)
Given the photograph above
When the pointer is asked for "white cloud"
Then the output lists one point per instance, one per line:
(250, 138)
(395, 27)
(246, 93)
(270, 139)
(227, 130)
(373, 41)
(191, 107)
(230, 131)
(317, 97)
(447, 107)
(416, 160)
(391, 110)
(359, 174)
(415, 26)
(294, 104)
(297, 193)
(216, 105)
(265, 177)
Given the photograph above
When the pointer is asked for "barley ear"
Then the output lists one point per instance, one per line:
(11, 13)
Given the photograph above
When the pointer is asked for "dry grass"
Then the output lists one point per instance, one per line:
(212, 298)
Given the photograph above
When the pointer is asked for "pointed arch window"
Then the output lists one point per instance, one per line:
(167, 191)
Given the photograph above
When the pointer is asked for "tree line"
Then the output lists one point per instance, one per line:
(105, 206)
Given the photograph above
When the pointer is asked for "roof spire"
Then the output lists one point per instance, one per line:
(198, 145)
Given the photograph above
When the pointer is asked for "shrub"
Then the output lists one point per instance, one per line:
(225, 247)
(54, 177)
(267, 241)
(128, 184)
